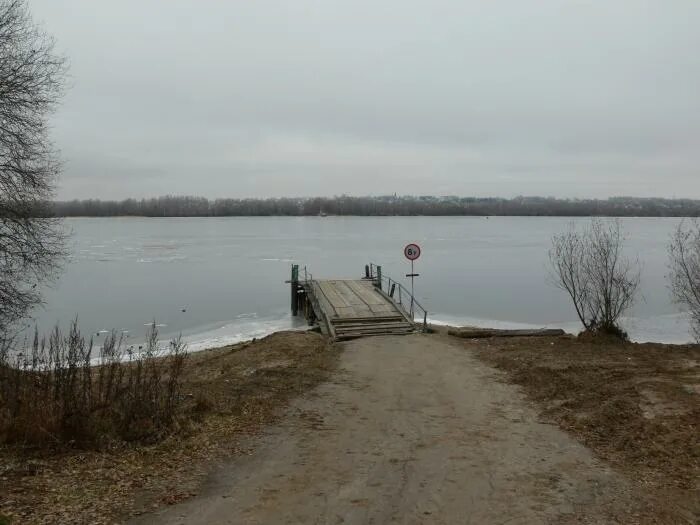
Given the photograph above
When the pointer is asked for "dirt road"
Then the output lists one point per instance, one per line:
(410, 430)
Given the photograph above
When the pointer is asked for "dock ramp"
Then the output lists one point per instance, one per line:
(351, 308)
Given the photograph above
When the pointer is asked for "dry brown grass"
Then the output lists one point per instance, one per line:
(228, 393)
(52, 396)
(637, 406)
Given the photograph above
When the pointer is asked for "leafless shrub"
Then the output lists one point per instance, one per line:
(31, 83)
(55, 393)
(590, 266)
(684, 277)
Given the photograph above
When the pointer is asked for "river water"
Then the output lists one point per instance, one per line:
(221, 280)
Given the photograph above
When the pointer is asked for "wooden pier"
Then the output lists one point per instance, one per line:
(351, 308)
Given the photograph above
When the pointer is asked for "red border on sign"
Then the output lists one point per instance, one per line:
(412, 245)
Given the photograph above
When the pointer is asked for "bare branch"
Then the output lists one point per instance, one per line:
(684, 277)
(31, 84)
(590, 266)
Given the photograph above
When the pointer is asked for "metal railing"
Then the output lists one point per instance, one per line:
(307, 276)
(399, 295)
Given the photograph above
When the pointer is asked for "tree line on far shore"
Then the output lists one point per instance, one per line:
(189, 206)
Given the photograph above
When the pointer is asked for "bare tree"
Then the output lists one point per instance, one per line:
(590, 266)
(684, 253)
(31, 83)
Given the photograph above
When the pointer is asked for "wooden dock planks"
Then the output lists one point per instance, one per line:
(355, 308)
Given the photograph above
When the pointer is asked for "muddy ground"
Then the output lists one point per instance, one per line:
(419, 429)
(636, 406)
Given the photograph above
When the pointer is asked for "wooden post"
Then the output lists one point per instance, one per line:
(379, 277)
(295, 286)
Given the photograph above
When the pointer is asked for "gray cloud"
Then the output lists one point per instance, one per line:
(265, 98)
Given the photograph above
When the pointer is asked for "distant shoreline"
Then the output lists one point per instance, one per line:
(382, 206)
(374, 216)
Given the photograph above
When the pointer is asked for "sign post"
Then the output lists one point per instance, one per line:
(412, 252)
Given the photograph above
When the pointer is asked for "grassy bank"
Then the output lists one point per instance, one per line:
(226, 393)
(637, 406)
(63, 390)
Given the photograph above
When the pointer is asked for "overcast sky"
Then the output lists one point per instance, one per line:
(258, 98)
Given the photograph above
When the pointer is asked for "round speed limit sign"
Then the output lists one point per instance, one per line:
(412, 252)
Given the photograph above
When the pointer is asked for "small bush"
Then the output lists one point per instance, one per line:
(65, 391)
(684, 254)
(602, 283)
(604, 333)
